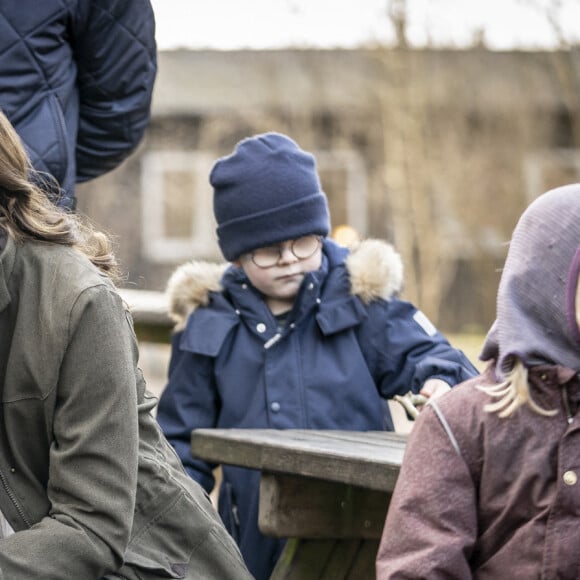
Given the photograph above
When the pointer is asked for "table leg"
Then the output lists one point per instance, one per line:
(345, 559)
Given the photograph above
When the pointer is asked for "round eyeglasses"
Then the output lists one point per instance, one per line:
(302, 248)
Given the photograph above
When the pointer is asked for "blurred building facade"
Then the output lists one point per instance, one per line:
(436, 151)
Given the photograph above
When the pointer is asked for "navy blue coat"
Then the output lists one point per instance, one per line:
(330, 367)
(76, 80)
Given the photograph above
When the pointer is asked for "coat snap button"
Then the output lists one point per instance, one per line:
(570, 478)
(275, 406)
(261, 327)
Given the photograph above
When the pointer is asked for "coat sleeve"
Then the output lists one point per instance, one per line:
(93, 457)
(431, 524)
(189, 401)
(115, 52)
(408, 350)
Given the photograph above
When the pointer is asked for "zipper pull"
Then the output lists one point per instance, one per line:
(273, 340)
(569, 416)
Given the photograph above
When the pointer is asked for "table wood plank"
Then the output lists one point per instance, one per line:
(149, 310)
(294, 506)
(367, 459)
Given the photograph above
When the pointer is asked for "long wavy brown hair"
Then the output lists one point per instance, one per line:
(27, 212)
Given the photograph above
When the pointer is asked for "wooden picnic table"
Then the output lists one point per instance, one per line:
(149, 311)
(327, 491)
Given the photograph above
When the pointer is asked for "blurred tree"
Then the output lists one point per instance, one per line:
(434, 150)
(397, 13)
(566, 62)
(552, 10)
(415, 199)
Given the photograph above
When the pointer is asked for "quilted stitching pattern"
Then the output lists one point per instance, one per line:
(77, 66)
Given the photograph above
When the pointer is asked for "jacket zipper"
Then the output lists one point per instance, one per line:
(569, 416)
(273, 340)
(13, 499)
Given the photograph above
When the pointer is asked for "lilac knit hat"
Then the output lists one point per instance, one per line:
(536, 315)
(265, 192)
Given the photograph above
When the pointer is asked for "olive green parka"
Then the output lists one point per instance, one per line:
(87, 480)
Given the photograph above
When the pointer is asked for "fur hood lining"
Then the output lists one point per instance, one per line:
(374, 267)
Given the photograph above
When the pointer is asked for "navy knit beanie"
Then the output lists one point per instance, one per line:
(267, 191)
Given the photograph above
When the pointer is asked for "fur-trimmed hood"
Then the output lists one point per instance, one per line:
(374, 267)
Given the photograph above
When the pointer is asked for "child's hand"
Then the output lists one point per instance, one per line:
(413, 403)
(433, 388)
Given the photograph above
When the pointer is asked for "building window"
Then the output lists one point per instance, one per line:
(178, 221)
(177, 205)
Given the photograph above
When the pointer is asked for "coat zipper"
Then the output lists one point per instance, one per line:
(13, 499)
(569, 416)
(273, 340)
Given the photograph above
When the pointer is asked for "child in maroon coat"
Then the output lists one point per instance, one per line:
(489, 483)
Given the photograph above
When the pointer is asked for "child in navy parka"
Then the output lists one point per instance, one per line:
(295, 333)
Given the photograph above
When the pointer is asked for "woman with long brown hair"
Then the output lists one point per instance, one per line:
(89, 488)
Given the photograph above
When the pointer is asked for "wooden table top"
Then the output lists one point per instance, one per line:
(369, 459)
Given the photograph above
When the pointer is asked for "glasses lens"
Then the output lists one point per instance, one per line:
(304, 247)
(269, 256)
(266, 257)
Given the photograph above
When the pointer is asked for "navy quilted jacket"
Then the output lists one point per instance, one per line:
(76, 80)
